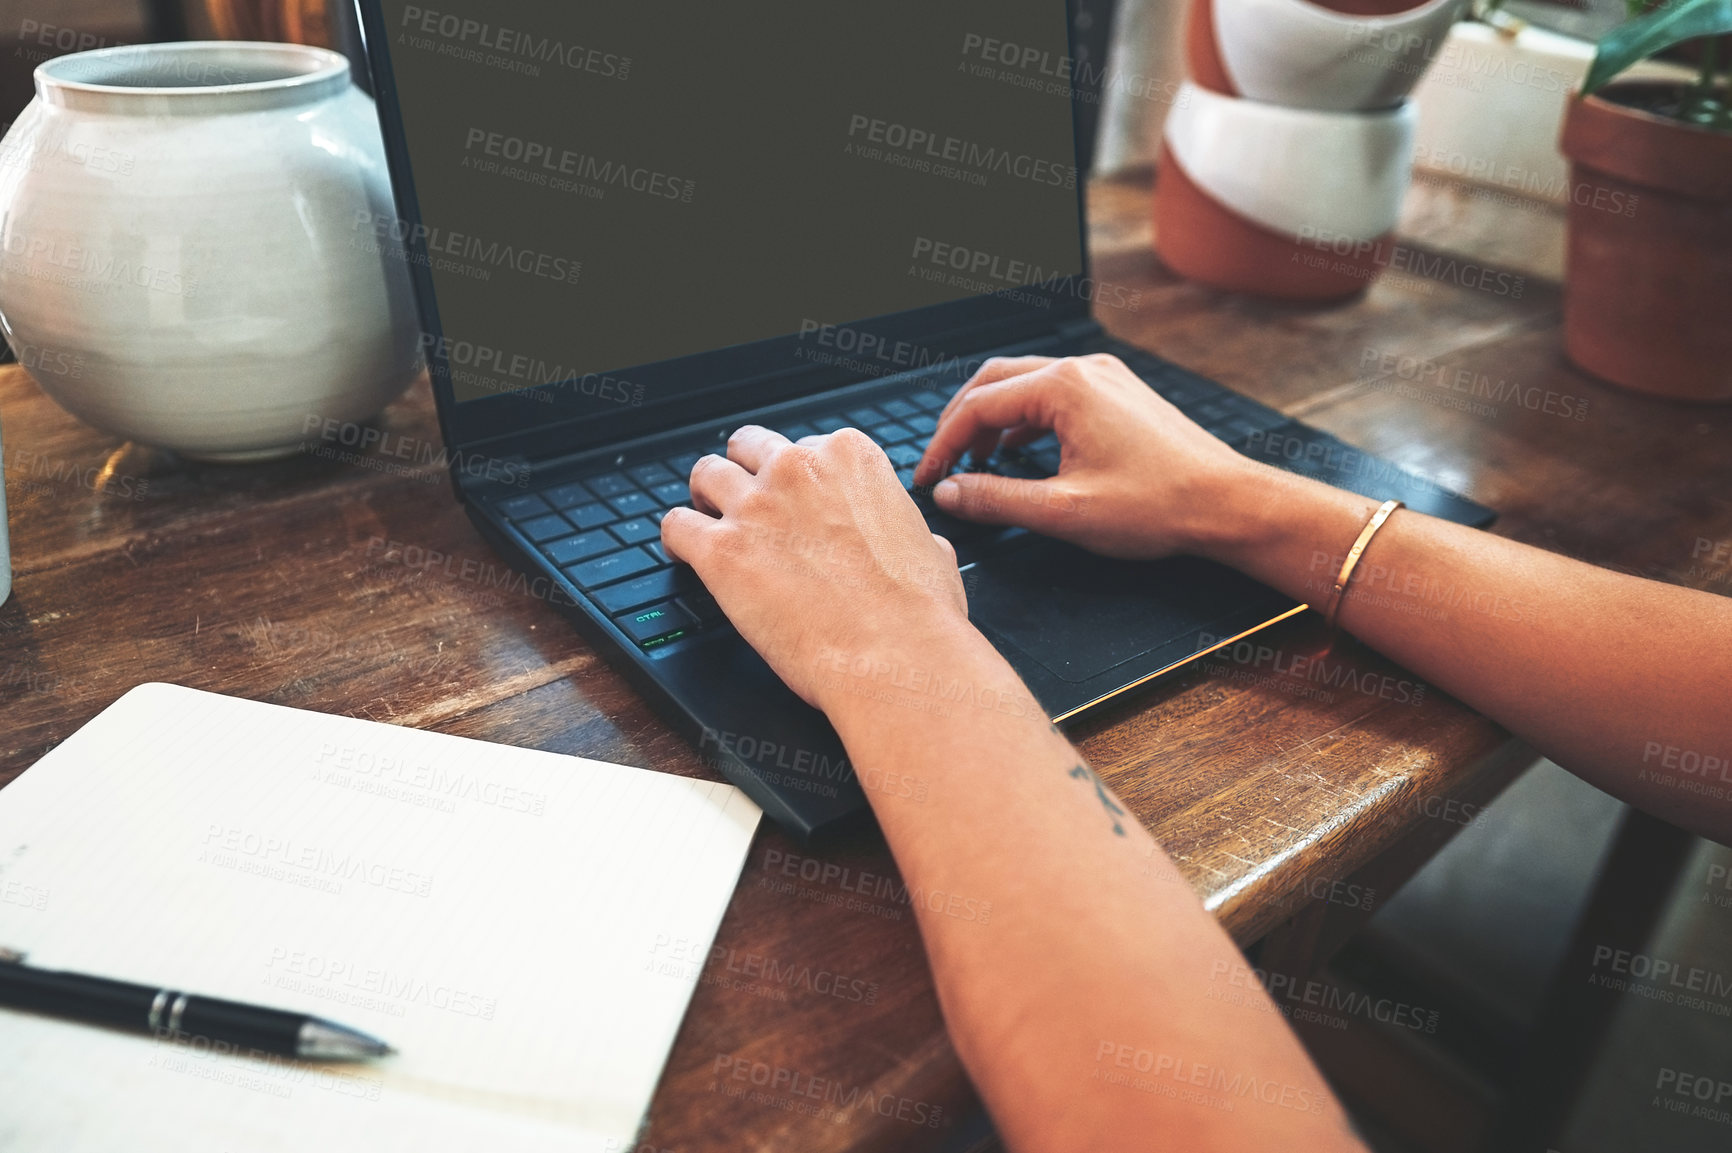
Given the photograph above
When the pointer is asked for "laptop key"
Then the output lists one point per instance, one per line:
(890, 432)
(545, 528)
(923, 424)
(903, 455)
(1182, 393)
(906, 476)
(829, 424)
(898, 409)
(656, 550)
(681, 465)
(864, 417)
(1047, 458)
(650, 475)
(612, 484)
(655, 622)
(524, 507)
(1014, 466)
(613, 567)
(581, 547)
(673, 492)
(702, 605)
(568, 495)
(632, 504)
(588, 516)
(929, 400)
(661, 585)
(636, 530)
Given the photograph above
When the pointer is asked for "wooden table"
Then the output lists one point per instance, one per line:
(307, 583)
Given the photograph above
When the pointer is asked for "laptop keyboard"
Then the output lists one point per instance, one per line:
(603, 531)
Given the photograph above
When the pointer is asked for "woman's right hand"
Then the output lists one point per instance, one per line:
(1137, 477)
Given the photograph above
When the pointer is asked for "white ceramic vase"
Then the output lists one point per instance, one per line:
(192, 226)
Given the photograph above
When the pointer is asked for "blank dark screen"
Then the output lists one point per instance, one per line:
(610, 185)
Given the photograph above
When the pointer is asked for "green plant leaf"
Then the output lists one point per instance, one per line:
(1636, 40)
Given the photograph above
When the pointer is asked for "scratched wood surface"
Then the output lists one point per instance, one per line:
(313, 582)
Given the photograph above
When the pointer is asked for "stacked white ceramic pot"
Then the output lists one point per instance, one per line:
(1285, 160)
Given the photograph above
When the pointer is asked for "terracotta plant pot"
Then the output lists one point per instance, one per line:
(1202, 240)
(1648, 286)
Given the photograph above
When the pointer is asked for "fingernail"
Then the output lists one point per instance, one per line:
(948, 492)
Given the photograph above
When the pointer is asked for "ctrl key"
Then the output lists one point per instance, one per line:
(655, 622)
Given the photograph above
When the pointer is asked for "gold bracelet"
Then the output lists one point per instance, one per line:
(1353, 555)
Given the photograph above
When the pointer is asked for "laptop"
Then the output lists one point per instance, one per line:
(633, 228)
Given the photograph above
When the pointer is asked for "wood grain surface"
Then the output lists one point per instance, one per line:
(323, 583)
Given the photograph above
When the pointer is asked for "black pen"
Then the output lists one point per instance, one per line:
(172, 1015)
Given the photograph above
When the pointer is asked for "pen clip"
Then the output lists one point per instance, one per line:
(11, 956)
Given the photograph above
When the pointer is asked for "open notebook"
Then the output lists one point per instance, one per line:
(503, 917)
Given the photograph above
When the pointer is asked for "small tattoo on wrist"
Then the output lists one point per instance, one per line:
(1084, 773)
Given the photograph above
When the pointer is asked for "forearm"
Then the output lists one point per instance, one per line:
(1621, 680)
(1072, 960)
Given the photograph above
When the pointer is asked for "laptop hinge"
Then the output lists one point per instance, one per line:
(471, 471)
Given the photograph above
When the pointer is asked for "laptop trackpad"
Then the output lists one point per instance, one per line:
(1079, 615)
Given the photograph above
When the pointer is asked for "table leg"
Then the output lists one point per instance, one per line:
(1629, 897)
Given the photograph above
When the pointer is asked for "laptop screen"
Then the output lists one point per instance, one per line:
(599, 188)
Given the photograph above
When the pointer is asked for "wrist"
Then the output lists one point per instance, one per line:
(1270, 523)
(1230, 510)
(931, 672)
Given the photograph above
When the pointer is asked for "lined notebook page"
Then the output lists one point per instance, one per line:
(505, 918)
